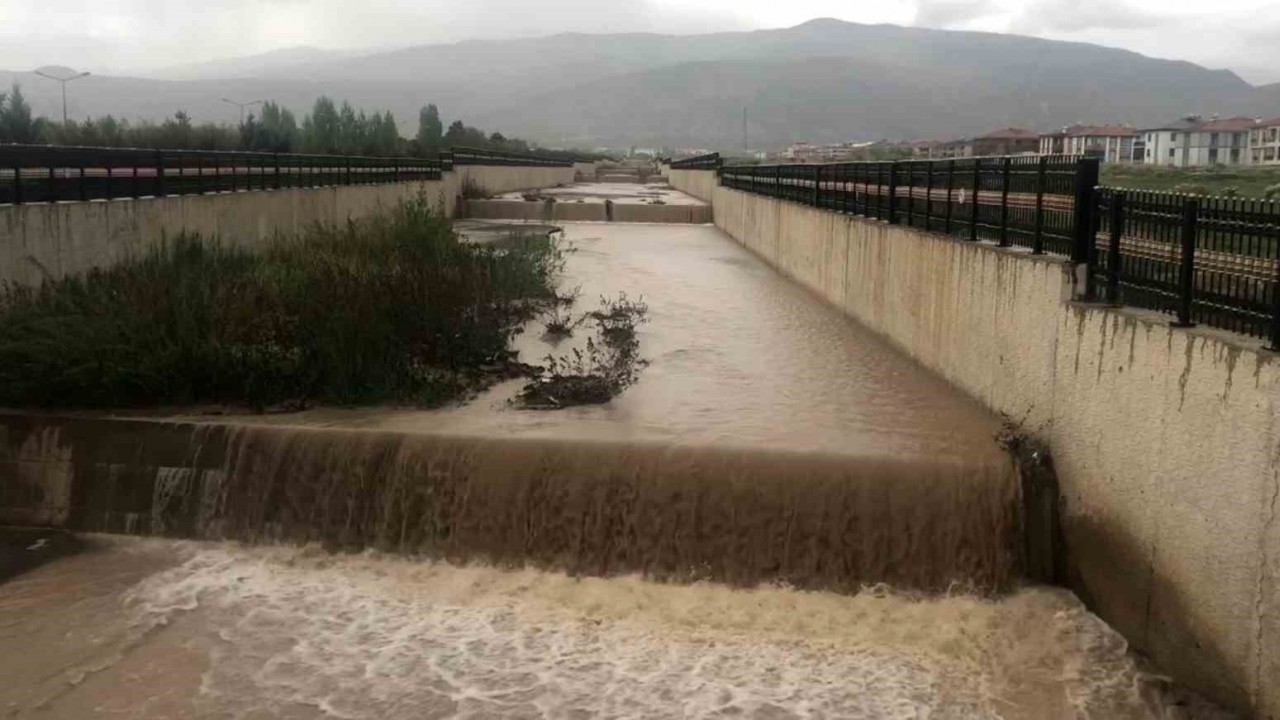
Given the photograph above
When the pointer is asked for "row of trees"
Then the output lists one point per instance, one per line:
(328, 129)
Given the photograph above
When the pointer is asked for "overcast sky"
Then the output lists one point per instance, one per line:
(136, 35)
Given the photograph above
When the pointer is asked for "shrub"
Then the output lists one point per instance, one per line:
(393, 307)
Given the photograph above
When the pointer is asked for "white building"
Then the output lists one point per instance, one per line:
(1193, 142)
(1109, 143)
(1264, 143)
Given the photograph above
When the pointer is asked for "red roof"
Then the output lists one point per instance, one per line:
(1103, 130)
(1273, 122)
(1010, 133)
(1235, 124)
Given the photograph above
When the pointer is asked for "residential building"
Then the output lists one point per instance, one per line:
(1109, 143)
(1193, 142)
(1006, 141)
(1264, 143)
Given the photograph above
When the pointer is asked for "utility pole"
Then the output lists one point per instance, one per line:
(242, 106)
(63, 81)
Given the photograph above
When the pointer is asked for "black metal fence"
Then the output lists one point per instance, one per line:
(1036, 202)
(476, 156)
(710, 161)
(1203, 260)
(41, 173)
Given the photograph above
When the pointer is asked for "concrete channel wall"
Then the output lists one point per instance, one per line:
(1166, 441)
(59, 239)
(551, 211)
(698, 183)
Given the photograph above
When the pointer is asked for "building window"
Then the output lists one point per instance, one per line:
(1171, 155)
(1213, 156)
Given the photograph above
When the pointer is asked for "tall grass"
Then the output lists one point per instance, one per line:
(389, 308)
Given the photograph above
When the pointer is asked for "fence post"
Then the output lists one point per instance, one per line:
(1275, 310)
(817, 186)
(1187, 264)
(1004, 201)
(276, 159)
(1037, 244)
(1113, 250)
(1082, 250)
(893, 193)
(17, 185)
(160, 190)
(928, 195)
(977, 186)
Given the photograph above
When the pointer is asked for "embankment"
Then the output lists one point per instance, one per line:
(741, 516)
(60, 239)
(1166, 440)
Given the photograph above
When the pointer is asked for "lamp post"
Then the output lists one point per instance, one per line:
(63, 81)
(242, 106)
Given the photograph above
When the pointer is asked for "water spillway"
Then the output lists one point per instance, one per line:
(769, 439)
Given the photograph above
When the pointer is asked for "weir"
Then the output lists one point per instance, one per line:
(770, 440)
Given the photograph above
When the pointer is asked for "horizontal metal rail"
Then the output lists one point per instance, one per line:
(710, 161)
(42, 173)
(476, 156)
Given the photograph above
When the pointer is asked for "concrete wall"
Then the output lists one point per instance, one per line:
(1166, 441)
(698, 183)
(65, 238)
(548, 211)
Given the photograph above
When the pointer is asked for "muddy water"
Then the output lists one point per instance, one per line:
(152, 629)
(740, 356)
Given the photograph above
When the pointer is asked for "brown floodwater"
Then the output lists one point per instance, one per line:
(150, 629)
(739, 356)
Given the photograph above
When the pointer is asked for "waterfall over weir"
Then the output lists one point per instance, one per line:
(770, 439)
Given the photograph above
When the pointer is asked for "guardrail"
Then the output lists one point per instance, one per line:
(476, 156)
(43, 173)
(710, 161)
(1036, 202)
(1207, 260)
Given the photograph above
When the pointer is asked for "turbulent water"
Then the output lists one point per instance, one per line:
(294, 633)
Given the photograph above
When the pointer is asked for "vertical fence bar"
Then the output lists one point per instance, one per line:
(1275, 309)
(977, 187)
(52, 194)
(1004, 201)
(893, 193)
(928, 195)
(84, 188)
(817, 186)
(1113, 248)
(1037, 243)
(1187, 262)
(17, 184)
(951, 177)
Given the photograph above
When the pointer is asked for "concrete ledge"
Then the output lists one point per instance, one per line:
(547, 211)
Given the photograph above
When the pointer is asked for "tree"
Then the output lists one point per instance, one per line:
(430, 129)
(16, 123)
(320, 129)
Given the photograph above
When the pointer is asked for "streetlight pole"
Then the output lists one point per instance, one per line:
(63, 81)
(242, 106)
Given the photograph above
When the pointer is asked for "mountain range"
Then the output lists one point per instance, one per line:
(824, 80)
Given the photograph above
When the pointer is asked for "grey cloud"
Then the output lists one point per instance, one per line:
(1072, 16)
(948, 13)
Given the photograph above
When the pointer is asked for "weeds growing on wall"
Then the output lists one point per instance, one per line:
(389, 308)
(609, 363)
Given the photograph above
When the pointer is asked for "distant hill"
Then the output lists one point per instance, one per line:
(825, 80)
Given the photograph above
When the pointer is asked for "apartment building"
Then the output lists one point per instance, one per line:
(1264, 143)
(1109, 143)
(1193, 142)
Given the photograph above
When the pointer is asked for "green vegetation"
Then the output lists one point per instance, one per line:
(608, 365)
(1248, 182)
(389, 308)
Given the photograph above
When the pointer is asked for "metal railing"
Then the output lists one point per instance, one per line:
(476, 156)
(43, 173)
(1207, 260)
(710, 161)
(1037, 202)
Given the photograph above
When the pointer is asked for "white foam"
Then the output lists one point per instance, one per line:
(299, 631)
